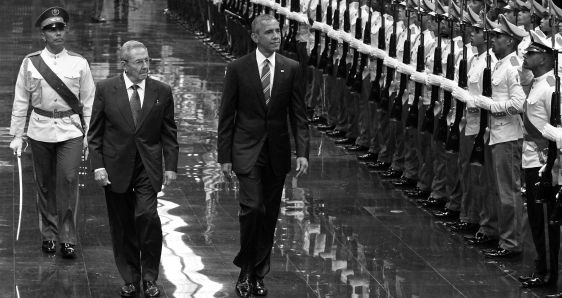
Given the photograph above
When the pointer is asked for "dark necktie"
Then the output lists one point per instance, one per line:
(135, 104)
(265, 78)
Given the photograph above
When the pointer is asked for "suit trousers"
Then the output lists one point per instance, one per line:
(260, 198)
(506, 158)
(536, 222)
(135, 228)
(55, 167)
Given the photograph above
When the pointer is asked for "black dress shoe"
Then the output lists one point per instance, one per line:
(434, 203)
(481, 239)
(49, 246)
(325, 127)
(336, 133)
(67, 250)
(556, 217)
(535, 282)
(417, 193)
(391, 174)
(501, 253)
(345, 141)
(244, 286)
(447, 215)
(405, 183)
(128, 290)
(150, 288)
(466, 227)
(259, 288)
(557, 295)
(369, 156)
(356, 148)
(380, 166)
(318, 120)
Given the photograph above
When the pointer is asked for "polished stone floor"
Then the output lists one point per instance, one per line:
(342, 231)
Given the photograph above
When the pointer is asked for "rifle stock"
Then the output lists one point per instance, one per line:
(412, 118)
(375, 95)
(342, 67)
(353, 70)
(358, 80)
(429, 118)
(313, 59)
(396, 111)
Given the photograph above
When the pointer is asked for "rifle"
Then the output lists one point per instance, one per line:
(385, 92)
(396, 112)
(429, 118)
(290, 44)
(334, 44)
(324, 57)
(358, 80)
(477, 155)
(453, 140)
(353, 70)
(342, 67)
(313, 59)
(412, 118)
(375, 95)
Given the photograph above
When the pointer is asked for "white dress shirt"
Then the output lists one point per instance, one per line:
(140, 89)
(260, 58)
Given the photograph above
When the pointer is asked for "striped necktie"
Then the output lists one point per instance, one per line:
(265, 81)
(135, 104)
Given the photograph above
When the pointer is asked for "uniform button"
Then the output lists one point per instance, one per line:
(55, 99)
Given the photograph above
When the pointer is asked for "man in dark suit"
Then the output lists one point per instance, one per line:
(261, 89)
(132, 127)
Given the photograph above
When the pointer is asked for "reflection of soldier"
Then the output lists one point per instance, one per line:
(56, 128)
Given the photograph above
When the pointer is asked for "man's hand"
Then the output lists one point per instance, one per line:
(16, 145)
(302, 166)
(226, 169)
(169, 177)
(101, 177)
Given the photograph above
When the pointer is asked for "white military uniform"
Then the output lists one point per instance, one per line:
(74, 71)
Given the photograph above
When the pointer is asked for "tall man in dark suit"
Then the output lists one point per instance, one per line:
(132, 127)
(261, 89)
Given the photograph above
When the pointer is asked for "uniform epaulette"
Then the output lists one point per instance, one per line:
(551, 81)
(514, 61)
(33, 54)
(74, 54)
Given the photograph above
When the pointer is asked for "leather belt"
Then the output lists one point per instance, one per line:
(472, 110)
(53, 114)
(499, 114)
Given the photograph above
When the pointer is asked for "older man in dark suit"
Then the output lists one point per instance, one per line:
(261, 89)
(132, 127)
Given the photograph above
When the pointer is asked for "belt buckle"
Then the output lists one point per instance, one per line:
(55, 113)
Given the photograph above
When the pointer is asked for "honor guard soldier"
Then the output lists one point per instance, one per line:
(539, 59)
(506, 135)
(60, 86)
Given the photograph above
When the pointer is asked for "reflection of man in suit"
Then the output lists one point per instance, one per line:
(132, 127)
(253, 141)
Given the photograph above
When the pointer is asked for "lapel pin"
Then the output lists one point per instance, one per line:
(282, 70)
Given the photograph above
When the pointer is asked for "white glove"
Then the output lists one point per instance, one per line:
(434, 80)
(347, 37)
(448, 85)
(364, 49)
(461, 94)
(85, 150)
(420, 77)
(302, 18)
(550, 132)
(355, 43)
(541, 170)
(332, 33)
(378, 53)
(283, 11)
(326, 28)
(406, 69)
(390, 62)
(16, 145)
(275, 6)
(483, 102)
(317, 26)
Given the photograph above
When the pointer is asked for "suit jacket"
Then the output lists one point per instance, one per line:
(114, 141)
(245, 122)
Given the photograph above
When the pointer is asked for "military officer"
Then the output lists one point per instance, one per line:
(57, 126)
(539, 59)
(506, 136)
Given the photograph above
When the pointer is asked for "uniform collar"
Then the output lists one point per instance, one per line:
(48, 54)
(129, 83)
(507, 57)
(544, 76)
